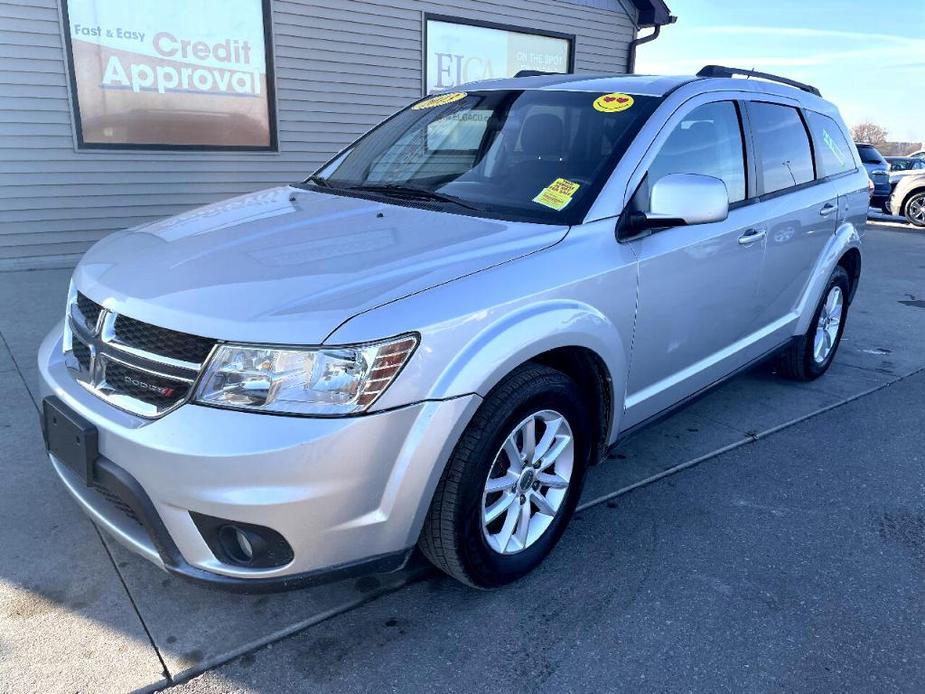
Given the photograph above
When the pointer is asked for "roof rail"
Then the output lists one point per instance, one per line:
(534, 73)
(721, 71)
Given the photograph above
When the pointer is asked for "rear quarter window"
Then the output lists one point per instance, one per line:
(833, 153)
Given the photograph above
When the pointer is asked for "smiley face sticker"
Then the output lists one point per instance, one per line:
(613, 102)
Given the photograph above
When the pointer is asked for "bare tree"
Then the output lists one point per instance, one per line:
(869, 132)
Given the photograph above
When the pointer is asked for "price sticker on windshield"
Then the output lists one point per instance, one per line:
(439, 100)
(613, 102)
(557, 194)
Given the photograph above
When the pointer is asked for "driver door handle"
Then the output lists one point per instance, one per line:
(827, 209)
(751, 236)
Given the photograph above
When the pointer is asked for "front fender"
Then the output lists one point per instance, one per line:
(846, 237)
(521, 335)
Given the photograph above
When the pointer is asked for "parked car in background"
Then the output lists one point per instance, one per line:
(904, 166)
(918, 155)
(879, 172)
(908, 199)
(429, 340)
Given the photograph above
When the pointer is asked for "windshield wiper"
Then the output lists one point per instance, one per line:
(320, 181)
(412, 193)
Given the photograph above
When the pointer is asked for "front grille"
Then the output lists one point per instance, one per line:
(149, 388)
(162, 341)
(138, 367)
(89, 309)
(82, 353)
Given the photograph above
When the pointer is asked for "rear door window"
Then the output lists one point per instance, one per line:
(833, 153)
(785, 157)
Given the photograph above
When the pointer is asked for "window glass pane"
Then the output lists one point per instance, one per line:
(784, 153)
(831, 146)
(870, 155)
(459, 131)
(708, 141)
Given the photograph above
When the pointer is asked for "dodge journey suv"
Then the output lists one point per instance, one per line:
(428, 341)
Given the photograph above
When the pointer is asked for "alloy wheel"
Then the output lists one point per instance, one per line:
(916, 210)
(828, 324)
(528, 482)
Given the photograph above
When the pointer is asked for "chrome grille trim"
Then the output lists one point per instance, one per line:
(104, 349)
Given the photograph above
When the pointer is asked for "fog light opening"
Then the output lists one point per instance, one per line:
(244, 544)
(241, 545)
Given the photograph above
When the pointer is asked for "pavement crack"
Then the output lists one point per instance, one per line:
(6, 346)
(164, 671)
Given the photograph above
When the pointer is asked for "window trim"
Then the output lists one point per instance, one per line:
(747, 165)
(746, 148)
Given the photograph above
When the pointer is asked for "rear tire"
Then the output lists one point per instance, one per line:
(490, 472)
(811, 355)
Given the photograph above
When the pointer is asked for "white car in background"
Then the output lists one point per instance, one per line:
(904, 166)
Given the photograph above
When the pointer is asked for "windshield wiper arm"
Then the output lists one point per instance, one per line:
(413, 193)
(320, 181)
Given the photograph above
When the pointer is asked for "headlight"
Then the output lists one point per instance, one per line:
(319, 381)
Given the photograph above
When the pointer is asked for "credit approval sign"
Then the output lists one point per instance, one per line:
(170, 73)
(460, 51)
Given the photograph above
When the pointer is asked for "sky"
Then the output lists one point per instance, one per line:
(866, 56)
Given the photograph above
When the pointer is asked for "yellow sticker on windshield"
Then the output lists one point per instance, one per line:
(613, 102)
(439, 100)
(557, 194)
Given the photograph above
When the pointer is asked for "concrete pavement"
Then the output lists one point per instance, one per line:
(78, 613)
(793, 564)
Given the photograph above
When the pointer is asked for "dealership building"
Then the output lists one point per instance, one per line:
(114, 113)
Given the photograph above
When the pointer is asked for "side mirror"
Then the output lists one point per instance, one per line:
(684, 199)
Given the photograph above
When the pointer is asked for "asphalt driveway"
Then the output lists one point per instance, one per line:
(79, 613)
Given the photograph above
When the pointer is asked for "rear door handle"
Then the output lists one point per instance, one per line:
(752, 235)
(827, 209)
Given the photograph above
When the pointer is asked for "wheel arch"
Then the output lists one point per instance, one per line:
(851, 261)
(907, 197)
(844, 248)
(590, 373)
(569, 336)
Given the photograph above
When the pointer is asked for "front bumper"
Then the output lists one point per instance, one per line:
(348, 494)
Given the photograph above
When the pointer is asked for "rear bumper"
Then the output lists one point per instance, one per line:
(349, 494)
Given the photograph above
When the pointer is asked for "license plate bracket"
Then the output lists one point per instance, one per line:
(70, 438)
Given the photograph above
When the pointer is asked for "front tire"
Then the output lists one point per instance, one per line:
(811, 355)
(915, 209)
(512, 482)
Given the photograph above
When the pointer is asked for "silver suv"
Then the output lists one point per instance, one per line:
(428, 341)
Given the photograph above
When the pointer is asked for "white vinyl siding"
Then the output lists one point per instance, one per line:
(340, 67)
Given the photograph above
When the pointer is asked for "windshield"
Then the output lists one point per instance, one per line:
(870, 155)
(531, 155)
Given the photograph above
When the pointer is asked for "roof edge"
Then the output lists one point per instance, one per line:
(653, 13)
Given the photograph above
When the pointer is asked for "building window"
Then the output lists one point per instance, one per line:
(171, 74)
(460, 50)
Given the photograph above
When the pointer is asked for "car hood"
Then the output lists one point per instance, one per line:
(288, 266)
